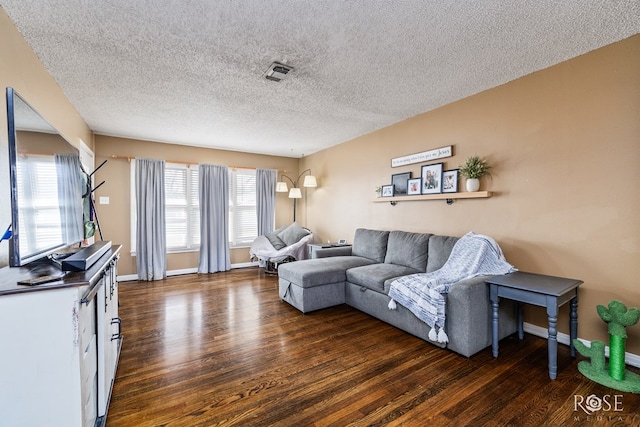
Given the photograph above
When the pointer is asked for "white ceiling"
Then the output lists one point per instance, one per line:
(191, 72)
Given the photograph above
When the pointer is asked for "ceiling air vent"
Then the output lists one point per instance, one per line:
(277, 72)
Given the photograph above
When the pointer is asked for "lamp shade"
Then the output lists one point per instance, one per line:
(281, 187)
(295, 193)
(310, 181)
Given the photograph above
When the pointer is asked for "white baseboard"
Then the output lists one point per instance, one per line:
(183, 271)
(244, 265)
(130, 277)
(630, 358)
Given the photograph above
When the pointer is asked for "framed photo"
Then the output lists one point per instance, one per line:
(399, 181)
(414, 186)
(387, 190)
(450, 181)
(432, 179)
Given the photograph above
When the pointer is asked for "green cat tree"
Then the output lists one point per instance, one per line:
(614, 374)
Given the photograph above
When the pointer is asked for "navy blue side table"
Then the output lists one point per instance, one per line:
(545, 291)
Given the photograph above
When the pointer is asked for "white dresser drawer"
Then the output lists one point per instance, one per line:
(89, 378)
(87, 322)
(89, 364)
(90, 407)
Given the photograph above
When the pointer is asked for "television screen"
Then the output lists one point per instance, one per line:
(46, 185)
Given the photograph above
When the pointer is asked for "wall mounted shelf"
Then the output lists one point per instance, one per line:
(449, 197)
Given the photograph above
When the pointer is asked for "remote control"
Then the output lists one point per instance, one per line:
(40, 280)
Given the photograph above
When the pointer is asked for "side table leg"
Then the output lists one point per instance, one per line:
(552, 341)
(573, 327)
(494, 331)
(520, 322)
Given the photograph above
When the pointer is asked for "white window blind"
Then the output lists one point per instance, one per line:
(194, 207)
(243, 223)
(181, 207)
(39, 208)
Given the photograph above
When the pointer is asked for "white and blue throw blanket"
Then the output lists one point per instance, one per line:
(423, 293)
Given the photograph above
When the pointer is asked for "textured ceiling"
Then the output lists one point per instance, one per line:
(191, 72)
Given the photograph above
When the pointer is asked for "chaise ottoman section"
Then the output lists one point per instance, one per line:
(316, 283)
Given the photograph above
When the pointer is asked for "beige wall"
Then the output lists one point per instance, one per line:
(565, 143)
(21, 69)
(115, 217)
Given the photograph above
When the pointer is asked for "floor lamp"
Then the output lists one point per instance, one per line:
(295, 192)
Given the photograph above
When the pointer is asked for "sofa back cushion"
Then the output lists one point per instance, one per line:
(439, 250)
(370, 244)
(408, 249)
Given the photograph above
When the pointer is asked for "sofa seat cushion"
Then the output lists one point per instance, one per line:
(375, 275)
(319, 271)
(408, 249)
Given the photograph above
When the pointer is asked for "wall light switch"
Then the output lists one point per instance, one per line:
(104, 200)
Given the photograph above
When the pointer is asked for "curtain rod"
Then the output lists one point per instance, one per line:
(179, 162)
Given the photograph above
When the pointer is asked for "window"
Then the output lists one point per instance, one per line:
(182, 207)
(39, 206)
(243, 222)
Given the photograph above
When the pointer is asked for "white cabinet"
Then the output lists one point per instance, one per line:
(109, 336)
(48, 359)
(53, 353)
(88, 362)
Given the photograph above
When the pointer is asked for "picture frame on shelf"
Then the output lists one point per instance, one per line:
(431, 178)
(399, 182)
(414, 186)
(450, 181)
(387, 190)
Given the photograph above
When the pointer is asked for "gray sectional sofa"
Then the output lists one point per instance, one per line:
(360, 276)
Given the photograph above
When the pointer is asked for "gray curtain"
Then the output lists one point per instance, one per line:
(214, 219)
(266, 199)
(69, 177)
(151, 239)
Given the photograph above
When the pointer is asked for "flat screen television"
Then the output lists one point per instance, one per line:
(46, 185)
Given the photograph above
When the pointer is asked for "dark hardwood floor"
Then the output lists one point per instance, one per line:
(222, 349)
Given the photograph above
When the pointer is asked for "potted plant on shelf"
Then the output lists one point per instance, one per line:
(473, 169)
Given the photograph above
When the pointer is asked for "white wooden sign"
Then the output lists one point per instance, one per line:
(425, 156)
